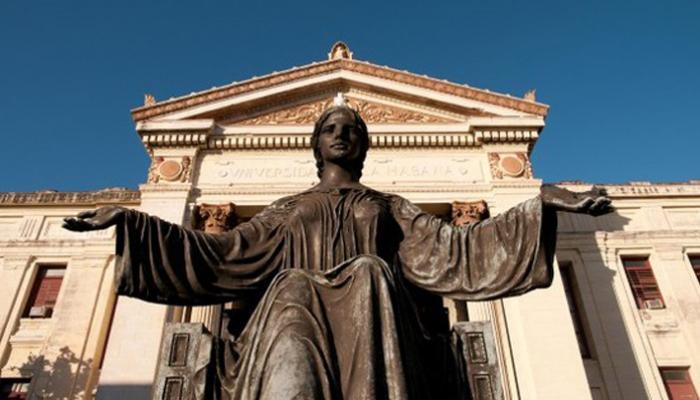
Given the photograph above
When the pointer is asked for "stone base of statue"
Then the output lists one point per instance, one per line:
(476, 350)
(184, 365)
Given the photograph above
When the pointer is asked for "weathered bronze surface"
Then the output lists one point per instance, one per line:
(336, 272)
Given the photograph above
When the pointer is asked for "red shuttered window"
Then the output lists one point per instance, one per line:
(695, 263)
(678, 384)
(643, 283)
(47, 284)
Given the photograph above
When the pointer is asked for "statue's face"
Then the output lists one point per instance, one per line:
(339, 139)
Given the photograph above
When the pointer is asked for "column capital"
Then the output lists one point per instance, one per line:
(214, 218)
(467, 212)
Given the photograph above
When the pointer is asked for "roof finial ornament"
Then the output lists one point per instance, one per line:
(531, 95)
(340, 100)
(339, 51)
(148, 99)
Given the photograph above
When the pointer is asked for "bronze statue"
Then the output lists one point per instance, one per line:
(336, 272)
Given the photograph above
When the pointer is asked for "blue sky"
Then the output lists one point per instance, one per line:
(622, 77)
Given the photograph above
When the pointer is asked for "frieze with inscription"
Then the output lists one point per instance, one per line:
(377, 169)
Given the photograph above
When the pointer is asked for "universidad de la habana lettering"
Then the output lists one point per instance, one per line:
(343, 230)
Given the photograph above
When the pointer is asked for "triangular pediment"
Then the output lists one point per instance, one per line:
(381, 94)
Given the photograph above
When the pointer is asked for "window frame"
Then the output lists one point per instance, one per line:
(41, 269)
(687, 379)
(634, 287)
(694, 266)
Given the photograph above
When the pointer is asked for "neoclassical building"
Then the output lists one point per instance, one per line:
(620, 321)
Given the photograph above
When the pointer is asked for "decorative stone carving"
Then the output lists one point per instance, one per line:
(373, 113)
(467, 212)
(186, 164)
(170, 170)
(153, 176)
(214, 218)
(110, 195)
(512, 165)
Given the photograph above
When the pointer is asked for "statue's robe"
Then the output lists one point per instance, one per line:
(335, 272)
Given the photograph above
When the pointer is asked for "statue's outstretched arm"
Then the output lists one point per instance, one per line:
(163, 262)
(593, 202)
(100, 218)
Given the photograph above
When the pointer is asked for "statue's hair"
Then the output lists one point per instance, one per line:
(364, 139)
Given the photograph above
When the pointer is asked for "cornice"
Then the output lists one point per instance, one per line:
(640, 238)
(50, 198)
(303, 141)
(640, 189)
(297, 73)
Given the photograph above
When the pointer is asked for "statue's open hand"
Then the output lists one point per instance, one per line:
(92, 220)
(593, 202)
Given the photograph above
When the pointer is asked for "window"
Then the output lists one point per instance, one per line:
(695, 263)
(14, 388)
(47, 284)
(575, 307)
(643, 283)
(678, 384)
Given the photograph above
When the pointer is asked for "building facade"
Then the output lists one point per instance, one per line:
(621, 320)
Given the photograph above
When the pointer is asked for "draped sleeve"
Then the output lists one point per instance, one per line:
(506, 255)
(165, 263)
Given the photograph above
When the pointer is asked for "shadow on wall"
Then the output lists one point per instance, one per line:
(61, 378)
(613, 348)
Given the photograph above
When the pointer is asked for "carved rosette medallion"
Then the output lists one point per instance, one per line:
(170, 170)
(510, 165)
(467, 212)
(214, 218)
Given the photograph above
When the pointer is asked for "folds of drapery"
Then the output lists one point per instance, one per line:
(166, 263)
(506, 255)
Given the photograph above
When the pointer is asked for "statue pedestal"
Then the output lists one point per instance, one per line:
(476, 347)
(184, 370)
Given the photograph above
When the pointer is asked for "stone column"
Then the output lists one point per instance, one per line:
(211, 218)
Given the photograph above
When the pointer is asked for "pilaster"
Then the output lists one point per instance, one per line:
(13, 270)
(70, 345)
(131, 356)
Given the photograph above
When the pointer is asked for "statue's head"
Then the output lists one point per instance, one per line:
(340, 136)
